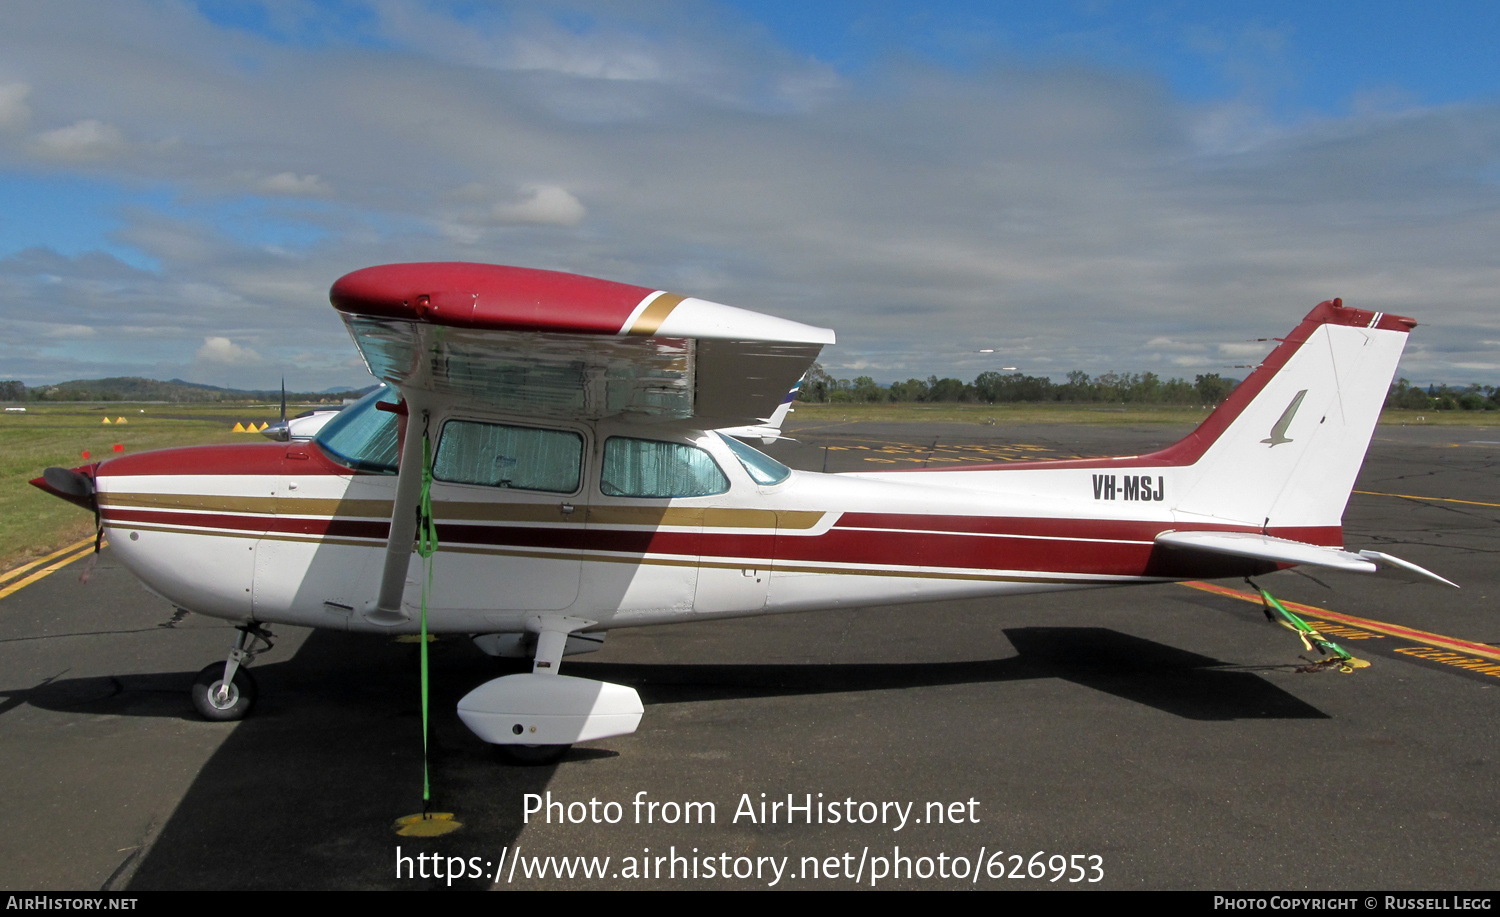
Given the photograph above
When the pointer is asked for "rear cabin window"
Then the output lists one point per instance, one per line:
(648, 468)
(496, 455)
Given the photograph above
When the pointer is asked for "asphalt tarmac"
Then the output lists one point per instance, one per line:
(1156, 738)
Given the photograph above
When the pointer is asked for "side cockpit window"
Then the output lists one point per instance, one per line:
(648, 468)
(363, 437)
(761, 467)
(497, 455)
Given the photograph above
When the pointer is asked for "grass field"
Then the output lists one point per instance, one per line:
(33, 523)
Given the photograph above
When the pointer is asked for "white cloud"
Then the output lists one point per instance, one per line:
(14, 112)
(71, 332)
(460, 232)
(1245, 350)
(223, 350)
(1166, 343)
(602, 57)
(83, 141)
(293, 185)
(545, 204)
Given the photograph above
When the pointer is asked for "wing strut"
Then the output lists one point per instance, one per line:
(403, 533)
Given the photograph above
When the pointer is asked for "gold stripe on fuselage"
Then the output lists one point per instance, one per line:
(469, 511)
(1061, 579)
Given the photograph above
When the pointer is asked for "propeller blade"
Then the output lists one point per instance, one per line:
(70, 482)
(73, 486)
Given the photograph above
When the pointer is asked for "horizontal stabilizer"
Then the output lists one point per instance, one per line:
(1264, 547)
(1381, 558)
(765, 432)
(1284, 551)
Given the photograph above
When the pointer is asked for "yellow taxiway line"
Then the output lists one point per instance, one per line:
(1391, 630)
(1376, 493)
(74, 552)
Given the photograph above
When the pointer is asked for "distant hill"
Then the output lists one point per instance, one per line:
(134, 388)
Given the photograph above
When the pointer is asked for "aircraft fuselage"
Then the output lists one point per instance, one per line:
(283, 533)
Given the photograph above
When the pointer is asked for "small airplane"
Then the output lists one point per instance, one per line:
(545, 463)
(301, 426)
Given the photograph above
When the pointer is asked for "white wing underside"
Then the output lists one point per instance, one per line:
(721, 382)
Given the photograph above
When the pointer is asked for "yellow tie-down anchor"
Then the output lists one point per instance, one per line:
(1339, 658)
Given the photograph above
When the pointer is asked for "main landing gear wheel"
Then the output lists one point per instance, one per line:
(532, 755)
(220, 703)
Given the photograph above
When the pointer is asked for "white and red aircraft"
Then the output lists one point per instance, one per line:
(578, 485)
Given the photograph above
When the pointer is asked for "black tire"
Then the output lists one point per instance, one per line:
(532, 755)
(242, 692)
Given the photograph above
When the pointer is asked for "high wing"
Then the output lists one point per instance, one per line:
(559, 345)
(549, 344)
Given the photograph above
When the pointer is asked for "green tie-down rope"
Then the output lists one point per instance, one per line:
(428, 823)
(427, 545)
(1311, 639)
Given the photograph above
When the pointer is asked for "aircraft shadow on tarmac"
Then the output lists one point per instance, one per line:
(302, 794)
(1172, 680)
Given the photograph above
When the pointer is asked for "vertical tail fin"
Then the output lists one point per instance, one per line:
(769, 429)
(1284, 449)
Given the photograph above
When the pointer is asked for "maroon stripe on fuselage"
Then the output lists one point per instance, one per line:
(1109, 529)
(299, 458)
(926, 549)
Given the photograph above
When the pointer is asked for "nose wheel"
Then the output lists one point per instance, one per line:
(219, 701)
(223, 693)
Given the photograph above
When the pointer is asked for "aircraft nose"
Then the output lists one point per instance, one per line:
(69, 484)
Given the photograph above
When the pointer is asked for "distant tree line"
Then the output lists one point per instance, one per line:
(996, 388)
(1443, 397)
(987, 388)
(136, 389)
(1208, 389)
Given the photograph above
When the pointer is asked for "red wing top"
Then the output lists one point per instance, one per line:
(563, 345)
(498, 298)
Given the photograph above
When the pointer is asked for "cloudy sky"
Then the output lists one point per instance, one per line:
(1092, 185)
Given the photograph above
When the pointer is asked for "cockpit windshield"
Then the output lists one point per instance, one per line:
(362, 436)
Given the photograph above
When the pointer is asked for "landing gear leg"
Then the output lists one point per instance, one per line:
(549, 653)
(227, 692)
